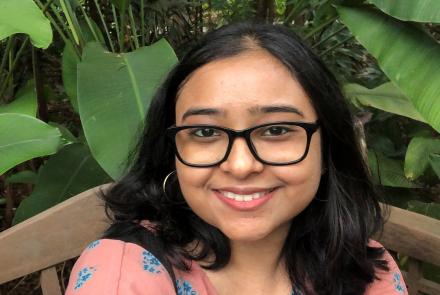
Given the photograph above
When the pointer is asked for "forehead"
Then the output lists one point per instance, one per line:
(242, 85)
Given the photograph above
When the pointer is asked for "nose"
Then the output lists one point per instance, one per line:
(241, 162)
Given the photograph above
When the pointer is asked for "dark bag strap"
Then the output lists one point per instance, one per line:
(139, 235)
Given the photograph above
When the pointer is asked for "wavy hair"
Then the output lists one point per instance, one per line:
(329, 237)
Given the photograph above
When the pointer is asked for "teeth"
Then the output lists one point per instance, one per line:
(243, 198)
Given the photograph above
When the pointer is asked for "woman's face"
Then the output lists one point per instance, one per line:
(240, 92)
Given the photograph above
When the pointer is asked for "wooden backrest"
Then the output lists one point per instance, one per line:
(417, 237)
(62, 232)
(53, 236)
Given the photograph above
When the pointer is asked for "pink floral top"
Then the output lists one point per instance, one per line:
(114, 267)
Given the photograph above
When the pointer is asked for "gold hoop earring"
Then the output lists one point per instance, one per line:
(164, 183)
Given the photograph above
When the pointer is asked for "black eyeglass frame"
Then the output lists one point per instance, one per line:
(310, 129)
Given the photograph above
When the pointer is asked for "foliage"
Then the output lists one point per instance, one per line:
(24, 16)
(76, 78)
(85, 31)
(112, 86)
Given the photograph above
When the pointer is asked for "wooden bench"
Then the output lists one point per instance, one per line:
(62, 232)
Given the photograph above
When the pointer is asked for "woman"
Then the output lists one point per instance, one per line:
(249, 179)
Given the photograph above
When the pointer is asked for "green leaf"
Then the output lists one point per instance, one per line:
(25, 102)
(428, 209)
(68, 173)
(386, 97)
(122, 5)
(411, 10)
(88, 34)
(67, 136)
(23, 138)
(114, 92)
(24, 16)
(417, 155)
(388, 172)
(434, 160)
(26, 176)
(69, 64)
(408, 56)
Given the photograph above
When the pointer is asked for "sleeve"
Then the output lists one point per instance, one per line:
(387, 282)
(115, 267)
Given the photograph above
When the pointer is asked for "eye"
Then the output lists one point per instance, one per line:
(205, 132)
(276, 130)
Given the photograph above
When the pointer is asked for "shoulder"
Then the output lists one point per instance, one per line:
(115, 267)
(386, 282)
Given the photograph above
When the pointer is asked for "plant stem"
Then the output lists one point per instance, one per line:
(320, 27)
(142, 23)
(42, 105)
(89, 23)
(117, 27)
(293, 14)
(122, 32)
(7, 219)
(13, 64)
(5, 56)
(104, 25)
(133, 26)
(335, 46)
(54, 23)
(60, 31)
(70, 22)
(328, 37)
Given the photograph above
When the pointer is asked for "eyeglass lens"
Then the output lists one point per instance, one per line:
(276, 143)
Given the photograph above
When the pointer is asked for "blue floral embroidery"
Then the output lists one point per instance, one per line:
(150, 262)
(93, 244)
(184, 288)
(83, 276)
(398, 283)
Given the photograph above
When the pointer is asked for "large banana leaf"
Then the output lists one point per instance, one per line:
(428, 209)
(411, 10)
(417, 155)
(24, 137)
(69, 64)
(434, 160)
(26, 176)
(408, 56)
(71, 171)
(388, 172)
(24, 16)
(114, 92)
(25, 102)
(386, 97)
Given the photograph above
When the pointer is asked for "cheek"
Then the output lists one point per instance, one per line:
(191, 179)
(302, 180)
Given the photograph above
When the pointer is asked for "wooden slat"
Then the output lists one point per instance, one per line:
(52, 236)
(414, 275)
(412, 234)
(49, 282)
(429, 287)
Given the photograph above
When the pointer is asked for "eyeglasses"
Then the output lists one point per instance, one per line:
(277, 144)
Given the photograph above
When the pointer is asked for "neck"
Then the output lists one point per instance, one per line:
(255, 267)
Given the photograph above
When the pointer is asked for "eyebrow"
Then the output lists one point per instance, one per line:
(253, 110)
(276, 109)
(201, 111)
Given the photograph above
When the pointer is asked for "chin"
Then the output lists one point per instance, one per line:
(247, 235)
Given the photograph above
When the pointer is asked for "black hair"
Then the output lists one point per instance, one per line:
(327, 248)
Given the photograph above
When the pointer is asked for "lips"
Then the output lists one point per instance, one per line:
(244, 199)
(241, 197)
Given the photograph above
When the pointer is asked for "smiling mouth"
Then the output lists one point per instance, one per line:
(247, 197)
